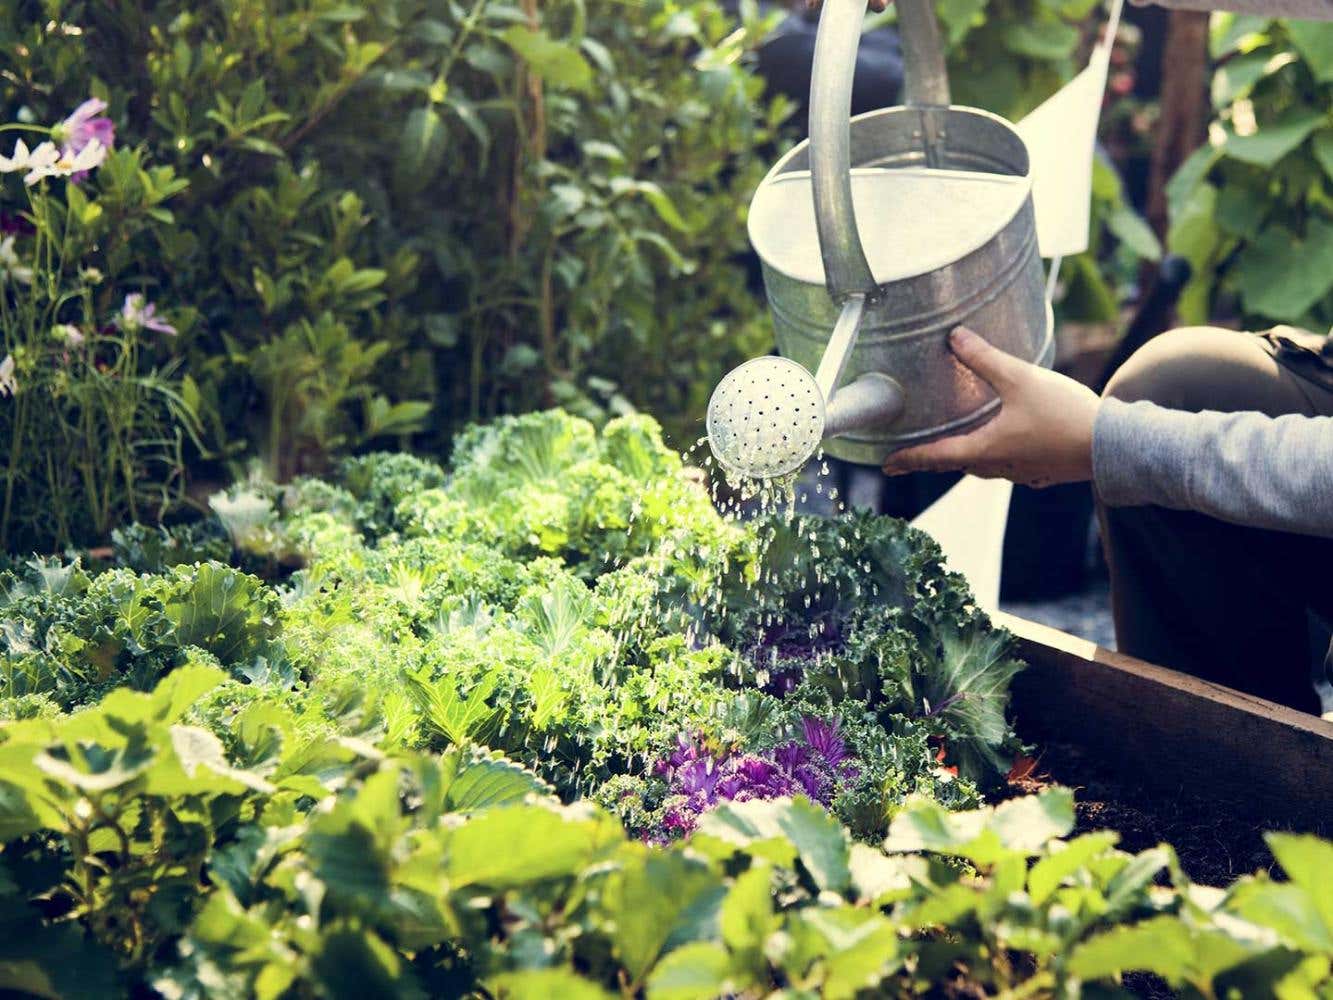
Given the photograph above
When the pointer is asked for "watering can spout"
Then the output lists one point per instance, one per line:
(944, 194)
(870, 402)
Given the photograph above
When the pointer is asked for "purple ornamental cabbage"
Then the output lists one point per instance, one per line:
(699, 779)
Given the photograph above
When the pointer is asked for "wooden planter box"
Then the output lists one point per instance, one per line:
(1172, 731)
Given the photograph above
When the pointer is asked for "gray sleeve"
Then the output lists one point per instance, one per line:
(1308, 10)
(1248, 468)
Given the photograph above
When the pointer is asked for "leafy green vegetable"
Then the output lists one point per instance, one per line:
(450, 754)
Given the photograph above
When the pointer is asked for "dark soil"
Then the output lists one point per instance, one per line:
(1217, 841)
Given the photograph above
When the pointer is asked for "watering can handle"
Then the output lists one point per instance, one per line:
(926, 84)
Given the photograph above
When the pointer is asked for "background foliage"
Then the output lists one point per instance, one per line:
(410, 208)
(401, 205)
(1253, 209)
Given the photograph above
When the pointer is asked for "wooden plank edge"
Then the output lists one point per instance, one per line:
(1030, 632)
(1172, 731)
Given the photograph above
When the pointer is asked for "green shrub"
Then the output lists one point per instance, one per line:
(1253, 209)
(403, 206)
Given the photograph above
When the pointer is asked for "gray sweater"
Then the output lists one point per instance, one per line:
(1314, 10)
(1269, 472)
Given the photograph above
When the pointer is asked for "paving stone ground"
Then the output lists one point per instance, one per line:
(1086, 615)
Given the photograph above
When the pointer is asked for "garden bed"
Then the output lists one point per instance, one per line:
(1163, 737)
(273, 752)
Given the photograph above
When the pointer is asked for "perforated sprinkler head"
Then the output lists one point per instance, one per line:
(766, 418)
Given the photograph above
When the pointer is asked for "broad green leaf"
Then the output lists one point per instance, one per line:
(421, 147)
(925, 825)
(853, 949)
(1314, 41)
(1161, 945)
(1027, 824)
(747, 917)
(1240, 213)
(474, 780)
(22, 813)
(1185, 183)
(968, 684)
(1194, 234)
(1322, 145)
(1235, 78)
(1232, 32)
(538, 984)
(220, 609)
(1289, 909)
(650, 901)
(1125, 889)
(461, 720)
(1063, 861)
(1273, 140)
(1308, 862)
(92, 768)
(198, 765)
(1041, 39)
(958, 16)
(177, 693)
(540, 843)
(354, 963)
(944, 907)
(1164, 946)
(700, 970)
(1282, 276)
(819, 840)
(1133, 231)
(558, 63)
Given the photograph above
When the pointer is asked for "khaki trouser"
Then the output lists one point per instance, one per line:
(1227, 603)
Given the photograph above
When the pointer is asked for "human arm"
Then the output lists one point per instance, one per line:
(1309, 10)
(1247, 468)
(1270, 472)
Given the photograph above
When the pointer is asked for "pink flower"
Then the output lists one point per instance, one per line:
(136, 315)
(86, 125)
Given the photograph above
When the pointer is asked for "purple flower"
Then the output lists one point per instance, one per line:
(698, 777)
(790, 756)
(136, 314)
(823, 738)
(15, 225)
(87, 124)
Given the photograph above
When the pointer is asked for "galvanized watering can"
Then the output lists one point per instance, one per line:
(943, 196)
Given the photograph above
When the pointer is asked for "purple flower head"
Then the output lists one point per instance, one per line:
(87, 124)
(823, 738)
(679, 821)
(15, 225)
(136, 314)
(790, 756)
(814, 783)
(698, 777)
(84, 125)
(756, 770)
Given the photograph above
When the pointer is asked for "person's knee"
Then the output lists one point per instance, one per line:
(1184, 369)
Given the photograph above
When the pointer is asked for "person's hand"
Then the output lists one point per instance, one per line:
(1041, 436)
